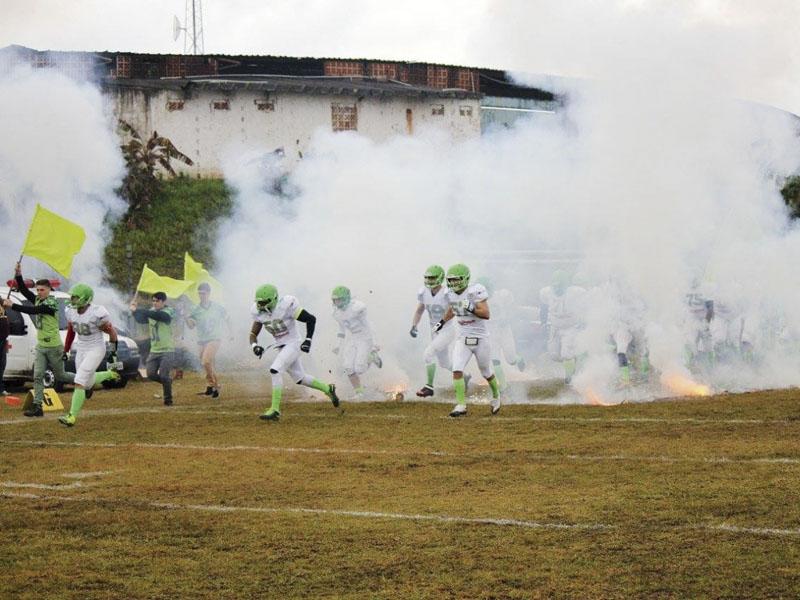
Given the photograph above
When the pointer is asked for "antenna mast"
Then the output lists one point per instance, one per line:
(193, 38)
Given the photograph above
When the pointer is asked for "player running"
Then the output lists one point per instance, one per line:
(504, 345)
(561, 310)
(278, 315)
(432, 297)
(88, 321)
(160, 319)
(356, 347)
(468, 303)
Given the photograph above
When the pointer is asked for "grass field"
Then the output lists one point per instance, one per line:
(685, 498)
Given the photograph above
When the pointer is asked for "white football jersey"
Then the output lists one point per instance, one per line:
(281, 323)
(468, 324)
(565, 310)
(87, 326)
(436, 305)
(353, 319)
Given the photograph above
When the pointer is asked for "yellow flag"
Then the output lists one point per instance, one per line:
(53, 240)
(193, 271)
(151, 282)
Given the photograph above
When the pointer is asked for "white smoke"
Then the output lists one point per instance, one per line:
(654, 173)
(57, 148)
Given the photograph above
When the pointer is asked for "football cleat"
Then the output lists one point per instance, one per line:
(34, 411)
(425, 392)
(89, 392)
(208, 392)
(67, 420)
(495, 406)
(270, 415)
(167, 401)
(332, 395)
(459, 410)
(215, 393)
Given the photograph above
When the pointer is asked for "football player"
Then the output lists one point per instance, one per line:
(356, 347)
(279, 315)
(468, 304)
(432, 298)
(88, 321)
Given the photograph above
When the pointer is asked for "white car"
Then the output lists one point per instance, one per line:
(22, 343)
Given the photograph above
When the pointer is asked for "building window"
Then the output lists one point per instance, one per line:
(344, 117)
(437, 109)
(465, 110)
(265, 104)
(174, 105)
(221, 105)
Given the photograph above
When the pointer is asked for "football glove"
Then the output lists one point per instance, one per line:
(65, 356)
(258, 350)
(413, 332)
(438, 326)
(468, 306)
(306, 345)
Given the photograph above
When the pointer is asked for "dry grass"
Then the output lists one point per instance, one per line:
(658, 479)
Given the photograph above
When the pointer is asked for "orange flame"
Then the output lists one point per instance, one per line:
(594, 399)
(684, 386)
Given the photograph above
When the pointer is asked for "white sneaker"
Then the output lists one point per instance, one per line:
(495, 404)
(459, 410)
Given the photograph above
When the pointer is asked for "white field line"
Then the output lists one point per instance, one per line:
(523, 454)
(86, 475)
(42, 486)
(445, 519)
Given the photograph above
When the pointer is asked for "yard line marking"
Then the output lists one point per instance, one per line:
(524, 454)
(495, 521)
(86, 475)
(42, 486)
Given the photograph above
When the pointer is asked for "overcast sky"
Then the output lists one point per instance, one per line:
(747, 48)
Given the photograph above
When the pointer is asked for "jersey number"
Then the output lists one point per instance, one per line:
(84, 329)
(276, 328)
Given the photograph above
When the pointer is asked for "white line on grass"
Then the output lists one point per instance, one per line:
(42, 486)
(523, 454)
(447, 519)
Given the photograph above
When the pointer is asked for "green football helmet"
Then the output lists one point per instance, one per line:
(434, 276)
(340, 296)
(487, 283)
(458, 278)
(80, 295)
(266, 297)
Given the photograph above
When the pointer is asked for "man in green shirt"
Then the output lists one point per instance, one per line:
(209, 318)
(162, 345)
(49, 348)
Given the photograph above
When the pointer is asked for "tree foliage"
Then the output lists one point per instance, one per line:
(143, 158)
(791, 195)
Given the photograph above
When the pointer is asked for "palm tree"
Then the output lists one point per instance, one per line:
(143, 158)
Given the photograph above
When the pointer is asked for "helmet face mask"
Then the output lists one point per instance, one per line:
(266, 297)
(458, 278)
(80, 296)
(340, 296)
(434, 276)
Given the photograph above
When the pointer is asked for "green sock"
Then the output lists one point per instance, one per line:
(78, 397)
(276, 398)
(102, 376)
(569, 368)
(461, 390)
(431, 373)
(359, 389)
(498, 371)
(495, 387)
(625, 374)
(322, 387)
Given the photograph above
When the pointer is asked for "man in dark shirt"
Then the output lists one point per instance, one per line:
(49, 348)
(162, 347)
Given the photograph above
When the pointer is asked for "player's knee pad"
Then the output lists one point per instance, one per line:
(623, 359)
(495, 362)
(274, 371)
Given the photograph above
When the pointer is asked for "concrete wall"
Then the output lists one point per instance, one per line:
(275, 120)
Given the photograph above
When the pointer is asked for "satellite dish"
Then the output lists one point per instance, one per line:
(176, 28)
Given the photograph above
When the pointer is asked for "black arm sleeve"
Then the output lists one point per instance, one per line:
(23, 289)
(34, 310)
(142, 314)
(310, 321)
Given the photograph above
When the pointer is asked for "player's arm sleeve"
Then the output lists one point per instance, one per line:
(310, 320)
(70, 337)
(254, 331)
(23, 289)
(140, 316)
